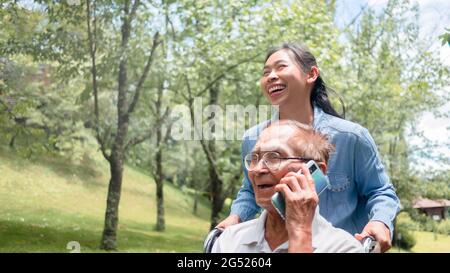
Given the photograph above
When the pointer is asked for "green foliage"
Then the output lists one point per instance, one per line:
(404, 237)
(390, 79)
(436, 186)
(407, 240)
(443, 227)
(445, 37)
(39, 108)
(426, 223)
(406, 222)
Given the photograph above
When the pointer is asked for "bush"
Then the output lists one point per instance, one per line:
(404, 219)
(443, 227)
(428, 224)
(406, 240)
(404, 225)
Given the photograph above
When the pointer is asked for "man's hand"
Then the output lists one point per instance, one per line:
(301, 202)
(378, 230)
(233, 219)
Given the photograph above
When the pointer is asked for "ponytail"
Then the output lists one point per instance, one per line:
(319, 97)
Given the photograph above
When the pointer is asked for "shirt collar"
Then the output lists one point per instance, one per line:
(255, 234)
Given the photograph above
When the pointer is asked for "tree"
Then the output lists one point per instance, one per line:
(127, 99)
(446, 37)
(391, 78)
(38, 103)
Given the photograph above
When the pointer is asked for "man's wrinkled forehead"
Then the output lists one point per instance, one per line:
(274, 138)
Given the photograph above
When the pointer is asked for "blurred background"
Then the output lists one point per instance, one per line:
(88, 157)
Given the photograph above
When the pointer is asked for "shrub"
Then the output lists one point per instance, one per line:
(404, 225)
(443, 227)
(406, 240)
(404, 219)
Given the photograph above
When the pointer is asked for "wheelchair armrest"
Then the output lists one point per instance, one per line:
(211, 239)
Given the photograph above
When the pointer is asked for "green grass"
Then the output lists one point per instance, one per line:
(46, 203)
(431, 242)
(427, 242)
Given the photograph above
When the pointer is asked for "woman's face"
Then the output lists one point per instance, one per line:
(283, 81)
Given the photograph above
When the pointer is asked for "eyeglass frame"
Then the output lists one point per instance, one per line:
(305, 159)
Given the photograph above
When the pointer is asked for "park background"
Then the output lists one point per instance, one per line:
(88, 161)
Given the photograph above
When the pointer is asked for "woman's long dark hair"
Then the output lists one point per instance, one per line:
(306, 60)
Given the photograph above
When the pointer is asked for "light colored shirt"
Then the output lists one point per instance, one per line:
(248, 237)
(360, 189)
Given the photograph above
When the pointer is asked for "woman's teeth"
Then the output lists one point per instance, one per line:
(276, 88)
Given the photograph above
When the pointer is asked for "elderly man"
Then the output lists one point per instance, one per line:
(277, 164)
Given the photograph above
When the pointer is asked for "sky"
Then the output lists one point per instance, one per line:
(434, 18)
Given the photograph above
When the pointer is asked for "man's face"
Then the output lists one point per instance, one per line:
(273, 139)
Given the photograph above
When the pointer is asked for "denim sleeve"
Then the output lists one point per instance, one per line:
(373, 183)
(245, 204)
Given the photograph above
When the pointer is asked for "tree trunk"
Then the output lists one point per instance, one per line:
(118, 149)
(12, 140)
(115, 185)
(109, 237)
(124, 109)
(160, 223)
(216, 182)
(217, 198)
(194, 210)
(159, 175)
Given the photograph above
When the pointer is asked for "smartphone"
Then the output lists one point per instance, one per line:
(321, 183)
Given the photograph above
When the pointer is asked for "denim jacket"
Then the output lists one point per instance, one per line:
(360, 189)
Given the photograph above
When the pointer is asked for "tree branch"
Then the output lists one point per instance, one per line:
(134, 9)
(207, 152)
(144, 74)
(92, 52)
(356, 17)
(137, 140)
(210, 84)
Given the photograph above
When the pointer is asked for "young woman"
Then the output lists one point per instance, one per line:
(361, 199)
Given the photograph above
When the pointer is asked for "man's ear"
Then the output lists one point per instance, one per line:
(323, 167)
(313, 74)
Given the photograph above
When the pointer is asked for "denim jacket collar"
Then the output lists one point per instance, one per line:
(318, 115)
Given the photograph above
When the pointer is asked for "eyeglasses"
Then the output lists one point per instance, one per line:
(272, 160)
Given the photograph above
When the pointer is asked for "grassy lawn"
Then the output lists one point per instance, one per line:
(431, 242)
(427, 242)
(45, 204)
